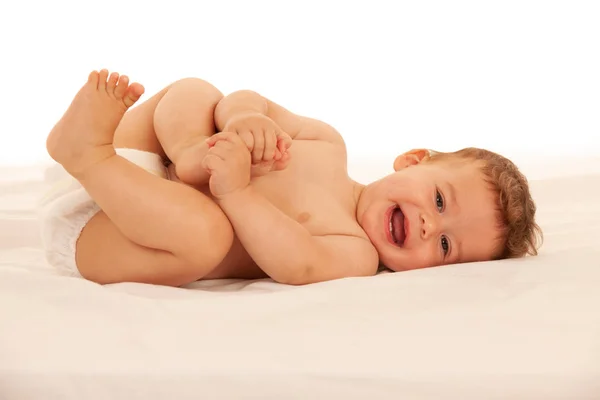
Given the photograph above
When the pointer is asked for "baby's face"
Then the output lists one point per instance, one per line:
(430, 214)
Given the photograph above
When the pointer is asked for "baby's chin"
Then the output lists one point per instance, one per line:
(400, 266)
(396, 268)
(393, 265)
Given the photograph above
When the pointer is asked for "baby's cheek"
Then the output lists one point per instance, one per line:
(425, 257)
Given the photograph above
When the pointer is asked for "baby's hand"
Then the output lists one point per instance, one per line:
(228, 162)
(265, 140)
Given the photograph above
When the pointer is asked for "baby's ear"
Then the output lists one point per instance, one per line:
(409, 158)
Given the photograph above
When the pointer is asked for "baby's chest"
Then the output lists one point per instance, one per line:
(306, 202)
(321, 200)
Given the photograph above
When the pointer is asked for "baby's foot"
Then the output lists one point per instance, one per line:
(189, 168)
(188, 162)
(84, 135)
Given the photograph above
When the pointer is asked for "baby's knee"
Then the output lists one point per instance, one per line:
(211, 242)
(220, 236)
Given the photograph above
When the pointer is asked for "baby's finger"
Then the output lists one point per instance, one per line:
(212, 162)
(224, 144)
(281, 147)
(259, 146)
(282, 163)
(222, 149)
(262, 168)
(221, 136)
(248, 139)
(278, 154)
(286, 156)
(283, 137)
(282, 144)
(210, 141)
(270, 145)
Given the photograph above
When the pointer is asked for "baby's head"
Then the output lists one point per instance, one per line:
(447, 208)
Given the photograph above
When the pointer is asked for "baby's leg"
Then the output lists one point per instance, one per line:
(183, 120)
(150, 229)
(175, 123)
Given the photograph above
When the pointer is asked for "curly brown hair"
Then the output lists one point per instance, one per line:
(520, 235)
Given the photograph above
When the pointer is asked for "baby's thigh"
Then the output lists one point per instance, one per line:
(136, 130)
(138, 127)
(104, 255)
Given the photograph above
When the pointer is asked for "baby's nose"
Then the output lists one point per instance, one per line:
(429, 226)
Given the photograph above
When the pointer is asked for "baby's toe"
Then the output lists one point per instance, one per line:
(93, 79)
(102, 77)
(122, 86)
(133, 94)
(112, 82)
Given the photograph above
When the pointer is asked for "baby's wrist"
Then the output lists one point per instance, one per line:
(234, 198)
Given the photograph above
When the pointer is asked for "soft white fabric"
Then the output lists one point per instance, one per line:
(520, 329)
(66, 208)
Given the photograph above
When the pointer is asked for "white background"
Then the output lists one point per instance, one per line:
(518, 77)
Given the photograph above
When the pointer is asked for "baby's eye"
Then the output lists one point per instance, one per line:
(439, 201)
(445, 245)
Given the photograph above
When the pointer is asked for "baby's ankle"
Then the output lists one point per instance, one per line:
(187, 157)
(90, 160)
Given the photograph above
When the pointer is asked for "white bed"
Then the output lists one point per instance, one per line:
(523, 329)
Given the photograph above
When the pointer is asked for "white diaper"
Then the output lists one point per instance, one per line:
(66, 208)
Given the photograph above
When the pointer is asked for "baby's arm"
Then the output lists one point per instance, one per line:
(298, 127)
(284, 249)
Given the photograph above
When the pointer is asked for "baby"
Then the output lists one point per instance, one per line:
(193, 185)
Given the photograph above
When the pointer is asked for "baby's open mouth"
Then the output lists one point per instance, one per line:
(397, 226)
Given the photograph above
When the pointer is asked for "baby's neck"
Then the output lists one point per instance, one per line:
(357, 192)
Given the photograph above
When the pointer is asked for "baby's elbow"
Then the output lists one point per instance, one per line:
(298, 276)
(288, 276)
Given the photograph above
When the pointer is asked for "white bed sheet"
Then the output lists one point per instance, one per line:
(521, 329)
